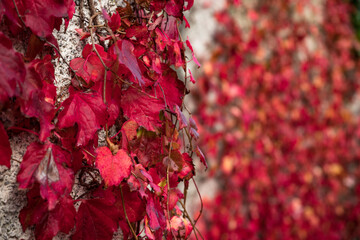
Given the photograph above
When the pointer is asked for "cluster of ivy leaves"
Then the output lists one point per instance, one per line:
(124, 80)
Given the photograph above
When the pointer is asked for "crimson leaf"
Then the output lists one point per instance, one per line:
(96, 220)
(87, 110)
(170, 88)
(124, 50)
(142, 108)
(41, 16)
(134, 206)
(48, 223)
(45, 164)
(39, 93)
(12, 70)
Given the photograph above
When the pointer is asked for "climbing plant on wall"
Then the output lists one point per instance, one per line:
(125, 84)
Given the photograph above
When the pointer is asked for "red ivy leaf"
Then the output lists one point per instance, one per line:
(182, 226)
(96, 220)
(83, 35)
(142, 108)
(192, 79)
(124, 50)
(134, 206)
(128, 132)
(188, 169)
(87, 110)
(155, 214)
(192, 52)
(43, 16)
(48, 223)
(12, 70)
(39, 93)
(113, 168)
(174, 8)
(181, 118)
(115, 22)
(90, 67)
(170, 88)
(45, 164)
(5, 149)
(201, 156)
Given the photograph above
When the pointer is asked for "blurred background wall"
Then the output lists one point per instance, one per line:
(278, 107)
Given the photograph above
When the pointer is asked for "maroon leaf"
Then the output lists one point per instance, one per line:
(142, 108)
(39, 93)
(175, 7)
(40, 16)
(61, 219)
(124, 50)
(96, 220)
(128, 132)
(113, 110)
(12, 70)
(134, 206)
(175, 161)
(90, 67)
(11, 16)
(170, 88)
(5, 149)
(125, 229)
(174, 195)
(87, 110)
(35, 209)
(48, 223)
(43, 16)
(34, 47)
(46, 164)
(115, 22)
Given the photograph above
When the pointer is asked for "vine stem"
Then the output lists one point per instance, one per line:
(13, 159)
(24, 129)
(18, 13)
(84, 150)
(127, 219)
(201, 201)
(106, 69)
(192, 224)
(81, 12)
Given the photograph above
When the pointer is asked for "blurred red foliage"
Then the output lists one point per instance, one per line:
(280, 123)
